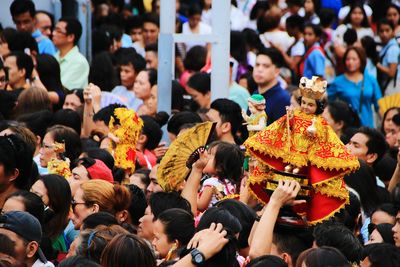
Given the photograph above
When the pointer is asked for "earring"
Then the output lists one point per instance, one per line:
(172, 250)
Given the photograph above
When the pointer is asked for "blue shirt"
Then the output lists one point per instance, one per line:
(276, 101)
(350, 92)
(314, 64)
(45, 45)
(128, 97)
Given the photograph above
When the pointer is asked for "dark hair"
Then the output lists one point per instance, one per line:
(73, 27)
(69, 118)
(357, 4)
(319, 103)
(152, 74)
(350, 214)
(388, 208)
(376, 142)
(133, 22)
(338, 236)
(23, 61)
(382, 254)
(19, 7)
(78, 261)
(317, 29)
(151, 18)
(228, 161)
(59, 193)
(369, 45)
(178, 101)
(194, 9)
(274, 55)
(267, 261)
(138, 204)
(161, 201)
(326, 16)
(322, 256)
(238, 47)
(152, 131)
(7, 246)
(195, 58)
(229, 111)
(33, 203)
(21, 41)
(268, 21)
(350, 37)
(37, 122)
(105, 114)
(178, 225)
(101, 154)
(364, 182)
(244, 214)
(201, 82)
(126, 250)
(295, 22)
(97, 219)
(181, 118)
(137, 61)
(340, 111)
(385, 21)
(49, 72)
(361, 55)
(392, 5)
(67, 135)
(102, 72)
(14, 154)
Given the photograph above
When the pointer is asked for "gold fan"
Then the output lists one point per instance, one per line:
(388, 102)
(182, 153)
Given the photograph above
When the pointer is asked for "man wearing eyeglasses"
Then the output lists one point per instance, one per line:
(23, 15)
(74, 66)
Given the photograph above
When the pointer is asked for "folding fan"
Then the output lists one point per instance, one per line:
(182, 153)
(388, 102)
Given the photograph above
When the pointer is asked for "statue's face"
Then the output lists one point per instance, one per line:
(308, 105)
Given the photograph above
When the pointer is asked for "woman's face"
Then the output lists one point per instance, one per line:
(374, 238)
(337, 127)
(308, 105)
(393, 15)
(40, 190)
(309, 6)
(356, 16)
(387, 123)
(72, 101)
(310, 37)
(160, 241)
(46, 151)
(353, 62)
(13, 204)
(142, 87)
(204, 101)
(80, 209)
(152, 101)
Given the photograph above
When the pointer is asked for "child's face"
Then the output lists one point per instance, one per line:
(308, 105)
(136, 34)
(393, 15)
(210, 167)
(386, 33)
(356, 16)
(309, 36)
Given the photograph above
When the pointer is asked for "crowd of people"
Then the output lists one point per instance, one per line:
(81, 142)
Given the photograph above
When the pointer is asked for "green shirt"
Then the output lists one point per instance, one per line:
(74, 69)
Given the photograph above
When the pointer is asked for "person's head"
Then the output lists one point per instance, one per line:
(15, 163)
(151, 56)
(294, 25)
(134, 27)
(380, 233)
(199, 87)
(98, 195)
(25, 201)
(137, 206)
(25, 230)
(126, 250)
(49, 72)
(338, 236)
(267, 67)
(44, 22)
(69, 118)
(322, 256)
(369, 45)
(153, 186)
(60, 134)
(74, 99)
(151, 133)
(101, 154)
(339, 116)
(159, 202)
(367, 144)
(357, 16)
(78, 261)
(102, 118)
(67, 33)
(350, 37)
(93, 241)
(32, 100)
(312, 34)
(195, 58)
(151, 28)
(269, 21)
(55, 193)
(23, 15)
(387, 120)
(267, 261)
(385, 30)
(172, 230)
(225, 161)
(396, 230)
(143, 83)
(131, 64)
(26, 135)
(385, 213)
(176, 121)
(393, 14)
(354, 60)
(380, 255)
(37, 122)
(19, 68)
(227, 115)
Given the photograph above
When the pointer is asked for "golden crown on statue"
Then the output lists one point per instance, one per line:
(313, 88)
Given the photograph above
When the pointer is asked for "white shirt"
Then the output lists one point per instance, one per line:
(203, 29)
(344, 11)
(280, 38)
(38, 263)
